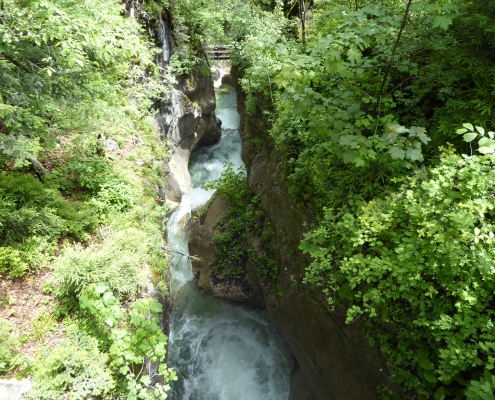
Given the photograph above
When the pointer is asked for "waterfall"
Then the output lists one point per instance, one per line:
(220, 351)
(164, 37)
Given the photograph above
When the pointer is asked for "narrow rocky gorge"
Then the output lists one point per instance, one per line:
(334, 360)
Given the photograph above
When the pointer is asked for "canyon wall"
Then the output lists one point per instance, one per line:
(334, 360)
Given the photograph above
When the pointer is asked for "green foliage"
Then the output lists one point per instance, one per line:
(486, 143)
(483, 389)
(419, 260)
(12, 263)
(30, 208)
(134, 339)
(58, 56)
(232, 187)
(117, 263)
(75, 368)
(245, 212)
(8, 344)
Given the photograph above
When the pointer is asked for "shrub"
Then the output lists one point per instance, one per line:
(421, 261)
(30, 208)
(8, 344)
(75, 368)
(117, 263)
(12, 262)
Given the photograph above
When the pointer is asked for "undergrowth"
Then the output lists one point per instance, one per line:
(245, 214)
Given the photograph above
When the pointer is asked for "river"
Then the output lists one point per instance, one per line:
(220, 351)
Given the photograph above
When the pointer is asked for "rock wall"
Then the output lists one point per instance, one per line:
(334, 360)
(186, 119)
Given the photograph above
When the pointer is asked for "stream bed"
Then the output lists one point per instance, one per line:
(220, 351)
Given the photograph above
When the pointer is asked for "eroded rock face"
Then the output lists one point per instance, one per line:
(213, 280)
(334, 359)
(185, 119)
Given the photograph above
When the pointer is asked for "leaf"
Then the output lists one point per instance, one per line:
(396, 152)
(486, 150)
(155, 307)
(470, 136)
(468, 126)
(101, 288)
(492, 158)
(442, 21)
(353, 54)
(483, 141)
(414, 154)
(491, 134)
(480, 130)
(346, 292)
(108, 298)
(423, 361)
(461, 131)
(430, 377)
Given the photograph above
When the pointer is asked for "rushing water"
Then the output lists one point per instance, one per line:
(219, 351)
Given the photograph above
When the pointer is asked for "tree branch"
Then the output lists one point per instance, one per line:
(389, 66)
(169, 251)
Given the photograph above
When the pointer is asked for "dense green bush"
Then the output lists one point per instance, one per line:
(31, 208)
(245, 212)
(419, 259)
(118, 263)
(75, 368)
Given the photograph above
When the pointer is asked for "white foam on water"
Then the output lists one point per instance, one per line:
(219, 351)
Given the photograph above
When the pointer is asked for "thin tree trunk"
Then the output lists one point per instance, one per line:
(302, 11)
(389, 66)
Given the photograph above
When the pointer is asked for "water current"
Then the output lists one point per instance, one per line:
(220, 351)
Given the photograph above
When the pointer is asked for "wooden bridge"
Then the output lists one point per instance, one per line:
(219, 53)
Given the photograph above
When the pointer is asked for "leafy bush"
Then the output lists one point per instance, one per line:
(12, 262)
(30, 208)
(113, 195)
(8, 344)
(421, 261)
(484, 389)
(245, 211)
(134, 337)
(117, 263)
(75, 368)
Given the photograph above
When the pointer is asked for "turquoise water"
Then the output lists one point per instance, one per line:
(220, 351)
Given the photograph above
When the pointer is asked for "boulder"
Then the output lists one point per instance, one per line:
(213, 280)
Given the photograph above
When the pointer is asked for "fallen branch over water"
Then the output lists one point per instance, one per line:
(170, 251)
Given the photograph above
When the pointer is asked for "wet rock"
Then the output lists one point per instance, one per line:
(12, 389)
(186, 119)
(213, 280)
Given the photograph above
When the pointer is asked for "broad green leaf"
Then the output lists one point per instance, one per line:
(470, 136)
(442, 21)
(101, 288)
(483, 141)
(396, 152)
(486, 150)
(423, 361)
(480, 130)
(430, 377)
(414, 154)
(155, 306)
(468, 126)
(461, 131)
